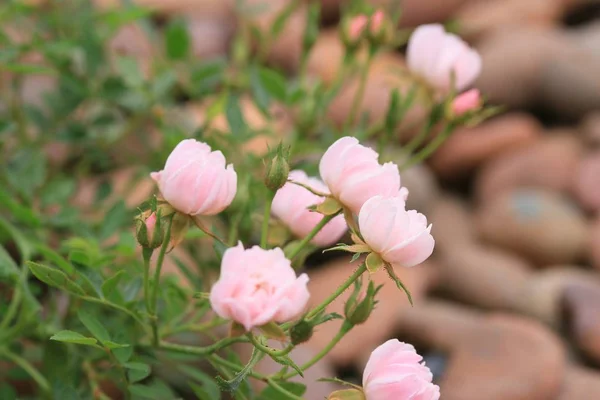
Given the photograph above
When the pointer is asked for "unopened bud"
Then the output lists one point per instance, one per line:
(353, 30)
(149, 231)
(358, 311)
(278, 169)
(381, 30)
(301, 332)
(466, 102)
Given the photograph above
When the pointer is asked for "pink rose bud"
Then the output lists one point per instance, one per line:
(465, 102)
(258, 286)
(353, 174)
(400, 237)
(357, 26)
(196, 180)
(395, 371)
(150, 224)
(376, 22)
(290, 206)
(436, 56)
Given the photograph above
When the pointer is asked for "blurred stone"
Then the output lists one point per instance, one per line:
(590, 129)
(582, 312)
(130, 40)
(586, 185)
(537, 224)
(501, 359)
(384, 319)
(570, 85)
(587, 37)
(452, 225)
(543, 297)
(549, 163)
(594, 243)
(422, 186)
(210, 34)
(580, 384)
(473, 274)
(468, 148)
(478, 18)
(174, 6)
(300, 355)
(326, 56)
(513, 60)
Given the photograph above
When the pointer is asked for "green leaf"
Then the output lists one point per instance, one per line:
(235, 118)
(273, 331)
(8, 267)
(155, 390)
(18, 211)
(73, 337)
(129, 70)
(113, 346)
(93, 325)
(270, 393)
(260, 94)
(26, 170)
(55, 278)
(288, 362)
(374, 262)
(177, 40)
(23, 244)
(7, 392)
(274, 83)
(209, 390)
(20, 68)
(109, 286)
(137, 371)
(55, 258)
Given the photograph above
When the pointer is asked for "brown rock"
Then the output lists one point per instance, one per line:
(539, 225)
(423, 187)
(478, 18)
(582, 313)
(590, 129)
(210, 34)
(326, 56)
(550, 163)
(452, 226)
(512, 63)
(586, 185)
(382, 322)
(594, 243)
(468, 148)
(472, 274)
(543, 297)
(580, 384)
(501, 359)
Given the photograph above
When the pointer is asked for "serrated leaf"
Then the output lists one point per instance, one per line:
(177, 40)
(93, 325)
(137, 371)
(55, 278)
(109, 286)
(73, 337)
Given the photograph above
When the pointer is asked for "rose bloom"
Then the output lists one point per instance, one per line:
(290, 206)
(400, 237)
(353, 174)
(195, 180)
(395, 372)
(434, 55)
(258, 286)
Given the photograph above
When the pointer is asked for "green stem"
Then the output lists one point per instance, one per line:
(201, 351)
(147, 254)
(311, 235)
(264, 236)
(30, 369)
(14, 306)
(430, 148)
(268, 350)
(359, 271)
(362, 84)
(416, 141)
(344, 329)
(283, 391)
(228, 364)
(157, 269)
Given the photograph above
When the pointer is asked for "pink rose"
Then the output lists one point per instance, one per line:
(357, 26)
(290, 206)
(394, 371)
(353, 174)
(434, 55)
(400, 237)
(258, 286)
(196, 180)
(468, 101)
(377, 21)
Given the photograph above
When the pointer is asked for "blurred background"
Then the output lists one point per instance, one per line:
(508, 308)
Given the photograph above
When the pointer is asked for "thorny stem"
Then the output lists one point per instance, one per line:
(268, 350)
(157, 269)
(201, 351)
